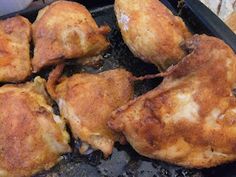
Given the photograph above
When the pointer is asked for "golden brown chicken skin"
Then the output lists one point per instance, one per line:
(151, 31)
(15, 36)
(66, 30)
(190, 119)
(86, 101)
(32, 137)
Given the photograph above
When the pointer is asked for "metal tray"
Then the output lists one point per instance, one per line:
(124, 162)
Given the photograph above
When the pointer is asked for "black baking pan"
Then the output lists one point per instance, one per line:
(124, 162)
(210, 23)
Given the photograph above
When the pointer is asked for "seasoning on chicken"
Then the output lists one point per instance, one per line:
(32, 137)
(86, 101)
(15, 49)
(190, 119)
(151, 31)
(66, 30)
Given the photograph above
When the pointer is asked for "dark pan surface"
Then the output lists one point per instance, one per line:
(124, 162)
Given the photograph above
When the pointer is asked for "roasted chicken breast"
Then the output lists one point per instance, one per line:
(190, 119)
(15, 35)
(66, 30)
(86, 101)
(32, 137)
(151, 31)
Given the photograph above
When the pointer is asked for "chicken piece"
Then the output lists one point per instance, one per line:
(86, 101)
(15, 49)
(151, 31)
(190, 119)
(32, 137)
(66, 30)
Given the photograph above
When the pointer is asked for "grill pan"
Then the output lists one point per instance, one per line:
(124, 162)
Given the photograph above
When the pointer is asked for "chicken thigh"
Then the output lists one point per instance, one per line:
(86, 101)
(66, 30)
(151, 31)
(15, 35)
(190, 119)
(32, 137)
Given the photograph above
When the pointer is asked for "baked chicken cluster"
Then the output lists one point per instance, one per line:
(188, 120)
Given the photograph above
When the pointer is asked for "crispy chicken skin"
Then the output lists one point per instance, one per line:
(15, 49)
(190, 119)
(86, 101)
(32, 138)
(66, 30)
(151, 31)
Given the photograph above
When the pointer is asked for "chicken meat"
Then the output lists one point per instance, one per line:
(190, 119)
(32, 137)
(15, 35)
(66, 30)
(151, 31)
(86, 101)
